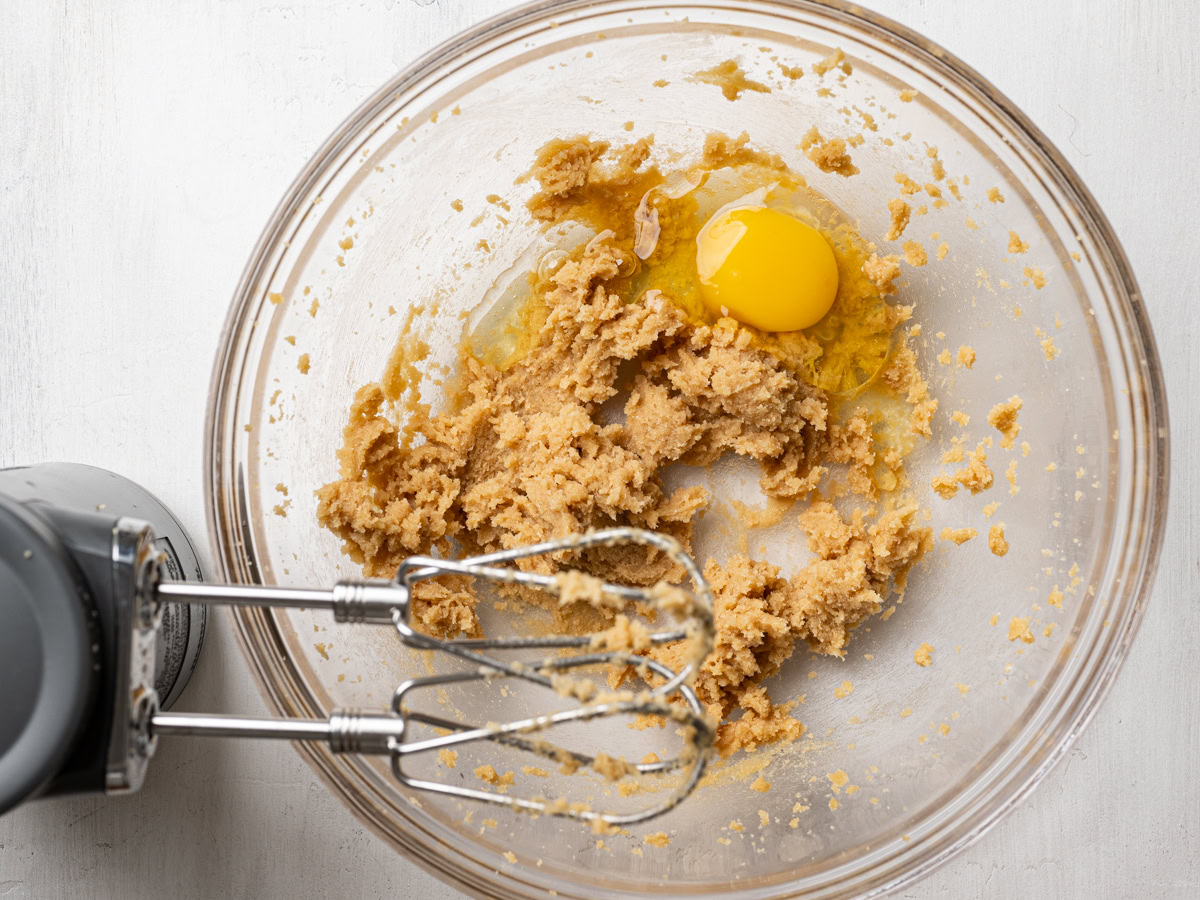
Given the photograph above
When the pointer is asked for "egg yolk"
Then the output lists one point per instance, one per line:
(766, 269)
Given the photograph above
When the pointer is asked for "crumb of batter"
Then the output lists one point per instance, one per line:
(792, 72)
(721, 151)
(1048, 348)
(996, 540)
(904, 378)
(828, 154)
(302, 364)
(1018, 630)
(944, 358)
(657, 839)
(908, 95)
(1056, 598)
(623, 634)
(1011, 474)
(907, 185)
(574, 586)
(510, 856)
(958, 417)
(942, 250)
(1003, 417)
(900, 213)
(883, 272)
(1035, 276)
(957, 535)
(565, 168)
(1015, 244)
(966, 356)
(944, 486)
(611, 768)
(445, 608)
(448, 757)
(832, 61)
(994, 195)
(755, 729)
(489, 774)
(975, 476)
(731, 79)
(760, 784)
(914, 254)
(923, 655)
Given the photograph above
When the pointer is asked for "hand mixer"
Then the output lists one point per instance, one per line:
(106, 620)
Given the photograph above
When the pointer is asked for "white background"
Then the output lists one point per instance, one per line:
(143, 145)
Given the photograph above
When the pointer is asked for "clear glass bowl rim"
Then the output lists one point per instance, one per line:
(265, 649)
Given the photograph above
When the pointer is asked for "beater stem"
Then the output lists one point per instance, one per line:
(245, 595)
(198, 724)
(344, 731)
(372, 602)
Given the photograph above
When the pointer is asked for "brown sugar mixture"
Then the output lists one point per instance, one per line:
(621, 373)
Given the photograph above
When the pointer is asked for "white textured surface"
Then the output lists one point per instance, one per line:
(143, 145)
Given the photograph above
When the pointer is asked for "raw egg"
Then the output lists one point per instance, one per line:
(766, 268)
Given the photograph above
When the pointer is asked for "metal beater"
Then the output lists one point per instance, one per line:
(387, 603)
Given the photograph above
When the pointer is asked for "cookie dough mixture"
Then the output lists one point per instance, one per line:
(619, 372)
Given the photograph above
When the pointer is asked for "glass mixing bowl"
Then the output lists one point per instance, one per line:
(936, 763)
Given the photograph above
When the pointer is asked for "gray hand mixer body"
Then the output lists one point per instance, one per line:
(72, 538)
